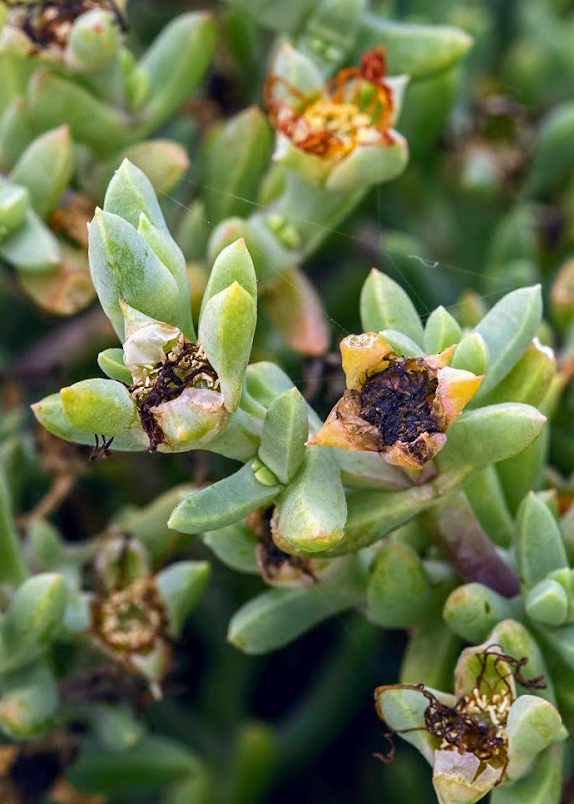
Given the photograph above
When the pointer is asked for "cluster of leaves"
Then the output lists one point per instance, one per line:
(394, 445)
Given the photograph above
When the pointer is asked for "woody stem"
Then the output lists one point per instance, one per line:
(457, 532)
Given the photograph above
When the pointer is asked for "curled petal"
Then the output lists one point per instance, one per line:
(345, 428)
(361, 354)
(192, 419)
(414, 454)
(456, 388)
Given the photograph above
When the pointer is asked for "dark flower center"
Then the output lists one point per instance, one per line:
(398, 401)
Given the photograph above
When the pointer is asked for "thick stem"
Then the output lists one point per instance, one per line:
(457, 532)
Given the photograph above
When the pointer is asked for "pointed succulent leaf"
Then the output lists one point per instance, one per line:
(234, 546)
(35, 612)
(14, 201)
(385, 305)
(539, 546)
(222, 503)
(313, 510)
(530, 378)
(233, 264)
(124, 267)
(175, 63)
(45, 169)
(399, 593)
(49, 412)
(233, 164)
(111, 362)
(490, 434)
(508, 328)
(32, 247)
(115, 726)
(29, 702)
(533, 725)
(417, 50)
(226, 332)
(99, 406)
(93, 40)
(441, 331)
(285, 430)
(52, 98)
(163, 161)
(555, 149)
(180, 587)
(488, 501)
(130, 193)
(278, 616)
(471, 354)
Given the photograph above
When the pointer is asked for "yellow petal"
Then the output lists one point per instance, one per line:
(363, 354)
(456, 388)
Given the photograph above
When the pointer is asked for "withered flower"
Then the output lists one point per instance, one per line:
(348, 121)
(277, 566)
(175, 387)
(130, 626)
(398, 406)
(47, 24)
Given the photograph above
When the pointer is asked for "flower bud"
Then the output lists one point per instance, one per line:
(547, 602)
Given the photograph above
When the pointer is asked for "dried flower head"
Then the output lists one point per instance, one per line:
(398, 406)
(278, 567)
(47, 24)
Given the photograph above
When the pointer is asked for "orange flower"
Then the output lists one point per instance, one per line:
(331, 123)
